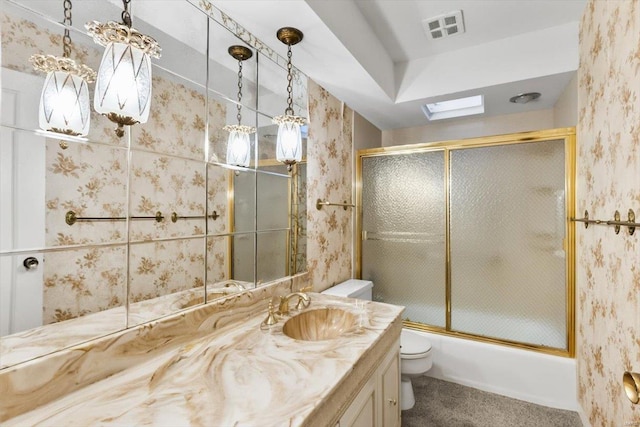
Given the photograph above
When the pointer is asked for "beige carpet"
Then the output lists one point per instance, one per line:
(444, 404)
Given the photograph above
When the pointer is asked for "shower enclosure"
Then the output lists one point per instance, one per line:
(473, 237)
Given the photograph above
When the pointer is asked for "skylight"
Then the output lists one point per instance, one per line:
(454, 108)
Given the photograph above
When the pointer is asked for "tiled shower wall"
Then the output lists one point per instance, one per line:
(608, 265)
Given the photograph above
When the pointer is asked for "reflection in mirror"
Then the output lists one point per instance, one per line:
(161, 223)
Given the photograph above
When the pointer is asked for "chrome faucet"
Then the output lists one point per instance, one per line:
(303, 299)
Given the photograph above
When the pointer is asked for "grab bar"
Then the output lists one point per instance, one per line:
(320, 203)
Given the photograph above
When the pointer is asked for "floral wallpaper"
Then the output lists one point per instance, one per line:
(329, 177)
(608, 265)
(79, 282)
(91, 180)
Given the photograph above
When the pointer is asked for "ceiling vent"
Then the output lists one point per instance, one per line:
(441, 26)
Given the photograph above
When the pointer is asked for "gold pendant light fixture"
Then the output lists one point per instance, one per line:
(64, 103)
(123, 86)
(239, 143)
(289, 142)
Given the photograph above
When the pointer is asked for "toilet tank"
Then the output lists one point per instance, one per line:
(352, 288)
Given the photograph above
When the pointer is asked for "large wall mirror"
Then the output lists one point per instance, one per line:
(109, 232)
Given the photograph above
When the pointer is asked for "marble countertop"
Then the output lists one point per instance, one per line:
(27, 345)
(240, 375)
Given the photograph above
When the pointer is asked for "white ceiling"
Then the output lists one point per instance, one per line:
(374, 55)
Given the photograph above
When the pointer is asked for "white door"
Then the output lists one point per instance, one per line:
(22, 203)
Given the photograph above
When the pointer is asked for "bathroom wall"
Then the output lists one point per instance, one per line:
(608, 265)
(365, 134)
(565, 112)
(470, 128)
(329, 177)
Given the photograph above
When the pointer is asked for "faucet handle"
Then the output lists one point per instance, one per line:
(303, 303)
(272, 318)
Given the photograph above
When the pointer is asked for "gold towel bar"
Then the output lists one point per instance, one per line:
(71, 218)
(175, 217)
(320, 203)
(631, 216)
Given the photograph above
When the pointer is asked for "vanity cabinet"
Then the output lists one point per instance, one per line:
(377, 404)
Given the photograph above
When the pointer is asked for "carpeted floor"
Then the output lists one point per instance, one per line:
(444, 404)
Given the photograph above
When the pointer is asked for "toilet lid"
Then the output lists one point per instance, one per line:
(412, 343)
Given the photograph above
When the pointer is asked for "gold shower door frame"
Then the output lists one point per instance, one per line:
(568, 135)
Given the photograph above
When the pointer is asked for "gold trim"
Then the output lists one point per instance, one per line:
(231, 223)
(570, 239)
(240, 129)
(51, 63)
(289, 250)
(358, 218)
(288, 118)
(114, 32)
(289, 35)
(68, 132)
(484, 339)
(447, 236)
(568, 135)
(515, 138)
(239, 52)
(121, 121)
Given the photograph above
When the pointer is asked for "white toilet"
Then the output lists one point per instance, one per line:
(415, 348)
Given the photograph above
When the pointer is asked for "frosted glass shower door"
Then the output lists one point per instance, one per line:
(403, 232)
(507, 230)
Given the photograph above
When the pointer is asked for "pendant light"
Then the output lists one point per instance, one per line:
(123, 87)
(64, 103)
(239, 143)
(289, 143)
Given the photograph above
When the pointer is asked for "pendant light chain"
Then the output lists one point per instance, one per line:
(239, 116)
(66, 39)
(126, 16)
(289, 110)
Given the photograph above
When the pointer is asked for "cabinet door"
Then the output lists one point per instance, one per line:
(361, 412)
(391, 392)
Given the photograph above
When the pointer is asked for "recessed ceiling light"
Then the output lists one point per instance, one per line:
(523, 98)
(454, 108)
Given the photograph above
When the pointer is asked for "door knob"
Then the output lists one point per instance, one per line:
(30, 263)
(631, 384)
(393, 402)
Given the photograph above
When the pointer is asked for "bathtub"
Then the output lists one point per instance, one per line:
(521, 374)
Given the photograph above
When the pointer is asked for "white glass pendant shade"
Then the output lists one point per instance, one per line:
(239, 145)
(123, 86)
(64, 104)
(289, 142)
(239, 149)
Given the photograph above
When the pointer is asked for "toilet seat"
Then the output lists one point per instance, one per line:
(413, 346)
